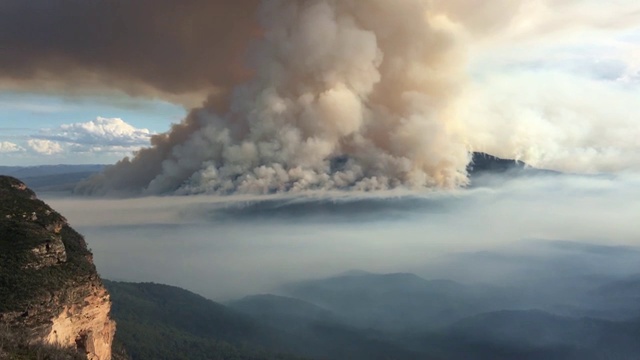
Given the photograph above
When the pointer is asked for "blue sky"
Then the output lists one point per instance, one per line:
(29, 116)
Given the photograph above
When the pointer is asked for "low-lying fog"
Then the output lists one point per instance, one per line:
(502, 231)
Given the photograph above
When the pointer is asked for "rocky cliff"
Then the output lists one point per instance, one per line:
(50, 291)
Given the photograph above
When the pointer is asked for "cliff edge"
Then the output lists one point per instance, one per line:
(50, 292)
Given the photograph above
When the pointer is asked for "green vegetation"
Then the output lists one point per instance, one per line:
(25, 223)
(14, 346)
(164, 322)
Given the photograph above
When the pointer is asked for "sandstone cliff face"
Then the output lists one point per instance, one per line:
(86, 326)
(49, 288)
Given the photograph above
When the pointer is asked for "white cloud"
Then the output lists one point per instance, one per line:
(557, 86)
(9, 147)
(103, 140)
(595, 39)
(105, 149)
(99, 132)
(45, 147)
(100, 136)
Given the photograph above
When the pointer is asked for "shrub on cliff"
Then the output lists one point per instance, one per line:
(14, 345)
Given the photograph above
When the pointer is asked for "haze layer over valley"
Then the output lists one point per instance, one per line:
(232, 246)
(479, 272)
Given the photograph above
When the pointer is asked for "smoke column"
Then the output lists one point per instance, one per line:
(347, 94)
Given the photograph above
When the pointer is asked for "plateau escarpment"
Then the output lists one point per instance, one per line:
(50, 292)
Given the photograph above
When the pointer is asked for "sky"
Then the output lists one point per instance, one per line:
(552, 82)
(48, 129)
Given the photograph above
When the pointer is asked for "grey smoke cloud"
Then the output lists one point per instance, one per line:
(346, 95)
(339, 94)
(582, 125)
(182, 51)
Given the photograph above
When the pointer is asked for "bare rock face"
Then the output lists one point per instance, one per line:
(49, 253)
(49, 288)
(87, 327)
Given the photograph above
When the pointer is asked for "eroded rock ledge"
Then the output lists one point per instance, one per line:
(50, 289)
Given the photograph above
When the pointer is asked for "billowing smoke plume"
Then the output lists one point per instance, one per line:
(347, 94)
(343, 94)
(581, 125)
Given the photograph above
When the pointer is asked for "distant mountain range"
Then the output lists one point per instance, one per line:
(362, 316)
(162, 322)
(51, 177)
(48, 170)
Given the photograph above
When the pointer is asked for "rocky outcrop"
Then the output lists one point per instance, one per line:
(50, 291)
(87, 327)
(49, 253)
